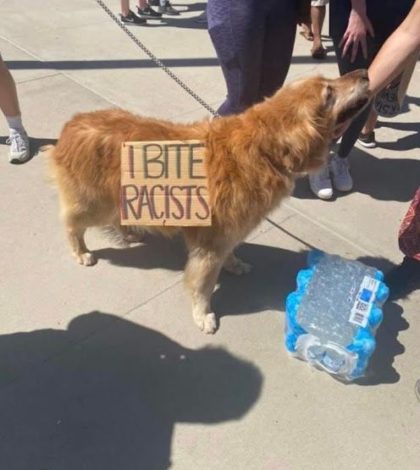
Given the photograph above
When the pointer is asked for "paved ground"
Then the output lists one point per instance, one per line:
(102, 368)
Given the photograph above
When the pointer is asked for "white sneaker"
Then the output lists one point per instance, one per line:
(19, 146)
(320, 183)
(340, 170)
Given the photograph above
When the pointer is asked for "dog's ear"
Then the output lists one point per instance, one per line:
(328, 96)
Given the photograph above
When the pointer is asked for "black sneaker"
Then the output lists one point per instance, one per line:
(148, 12)
(168, 9)
(367, 140)
(154, 3)
(131, 18)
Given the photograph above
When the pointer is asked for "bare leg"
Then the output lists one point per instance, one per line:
(234, 265)
(201, 274)
(125, 7)
(307, 31)
(9, 103)
(317, 17)
(371, 122)
(142, 4)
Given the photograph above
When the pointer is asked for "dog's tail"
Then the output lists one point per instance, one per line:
(47, 151)
(46, 148)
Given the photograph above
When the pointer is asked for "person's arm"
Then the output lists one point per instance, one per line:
(390, 60)
(358, 27)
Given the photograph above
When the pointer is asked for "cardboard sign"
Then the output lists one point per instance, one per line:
(164, 183)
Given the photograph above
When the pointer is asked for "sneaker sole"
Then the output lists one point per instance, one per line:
(322, 195)
(368, 145)
(138, 23)
(342, 189)
(19, 161)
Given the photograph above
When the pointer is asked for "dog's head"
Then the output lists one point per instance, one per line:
(346, 96)
(318, 110)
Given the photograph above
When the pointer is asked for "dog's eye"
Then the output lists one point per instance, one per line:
(329, 97)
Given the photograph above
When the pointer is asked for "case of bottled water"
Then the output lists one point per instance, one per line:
(333, 315)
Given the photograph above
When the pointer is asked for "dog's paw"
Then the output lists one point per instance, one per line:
(210, 324)
(207, 323)
(86, 259)
(236, 266)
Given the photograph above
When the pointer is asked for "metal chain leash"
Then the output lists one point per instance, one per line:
(157, 61)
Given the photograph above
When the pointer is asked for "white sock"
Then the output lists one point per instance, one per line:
(15, 123)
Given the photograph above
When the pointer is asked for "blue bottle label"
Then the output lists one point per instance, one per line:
(360, 311)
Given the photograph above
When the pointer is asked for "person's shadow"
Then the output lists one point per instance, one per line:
(408, 142)
(109, 395)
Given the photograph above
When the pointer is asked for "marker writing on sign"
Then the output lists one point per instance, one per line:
(164, 160)
(140, 201)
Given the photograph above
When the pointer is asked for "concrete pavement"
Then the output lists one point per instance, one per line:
(103, 368)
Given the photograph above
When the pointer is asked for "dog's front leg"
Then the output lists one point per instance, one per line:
(201, 274)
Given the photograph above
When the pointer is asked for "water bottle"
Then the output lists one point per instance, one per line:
(333, 315)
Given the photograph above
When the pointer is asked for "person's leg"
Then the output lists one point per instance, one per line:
(125, 7)
(345, 66)
(9, 104)
(306, 31)
(367, 134)
(405, 278)
(320, 182)
(127, 16)
(166, 8)
(144, 10)
(236, 30)
(280, 28)
(317, 18)
(339, 165)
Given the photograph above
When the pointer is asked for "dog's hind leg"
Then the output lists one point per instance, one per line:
(201, 273)
(132, 234)
(75, 233)
(235, 265)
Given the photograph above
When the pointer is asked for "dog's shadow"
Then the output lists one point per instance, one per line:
(154, 252)
(266, 288)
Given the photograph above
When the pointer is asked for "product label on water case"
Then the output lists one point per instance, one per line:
(360, 311)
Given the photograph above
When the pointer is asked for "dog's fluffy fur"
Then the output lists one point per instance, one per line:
(252, 160)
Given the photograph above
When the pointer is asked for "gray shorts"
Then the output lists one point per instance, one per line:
(319, 3)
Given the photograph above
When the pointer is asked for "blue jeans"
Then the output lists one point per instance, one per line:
(254, 43)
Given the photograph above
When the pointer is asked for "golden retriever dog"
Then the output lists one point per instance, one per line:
(252, 160)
